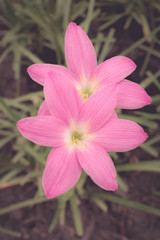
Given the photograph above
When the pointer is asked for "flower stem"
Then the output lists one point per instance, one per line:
(76, 216)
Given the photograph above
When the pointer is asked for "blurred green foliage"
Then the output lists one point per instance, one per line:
(30, 27)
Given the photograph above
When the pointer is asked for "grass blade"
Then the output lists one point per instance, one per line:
(76, 216)
(140, 41)
(10, 114)
(7, 139)
(129, 203)
(149, 149)
(122, 184)
(10, 232)
(27, 203)
(148, 166)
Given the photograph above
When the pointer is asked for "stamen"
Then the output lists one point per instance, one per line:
(93, 81)
(78, 137)
(83, 95)
(70, 143)
(94, 89)
(75, 128)
(88, 135)
(89, 89)
(84, 79)
(85, 129)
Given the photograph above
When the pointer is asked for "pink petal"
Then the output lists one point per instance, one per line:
(61, 173)
(99, 107)
(114, 69)
(63, 99)
(43, 130)
(39, 72)
(99, 166)
(113, 116)
(43, 110)
(120, 135)
(131, 95)
(79, 51)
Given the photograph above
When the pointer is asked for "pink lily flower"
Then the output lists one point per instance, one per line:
(88, 77)
(80, 133)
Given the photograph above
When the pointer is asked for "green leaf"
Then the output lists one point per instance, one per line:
(139, 42)
(128, 203)
(8, 176)
(55, 220)
(76, 216)
(100, 203)
(67, 11)
(152, 116)
(31, 56)
(32, 152)
(8, 111)
(107, 45)
(140, 120)
(154, 79)
(57, 215)
(7, 139)
(88, 19)
(113, 19)
(149, 166)
(27, 203)
(156, 99)
(149, 149)
(147, 81)
(122, 184)
(10, 232)
(26, 97)
(150, 50)
(154, 140)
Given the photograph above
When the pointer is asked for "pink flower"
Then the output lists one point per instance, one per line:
(80, 134)
(87, 77)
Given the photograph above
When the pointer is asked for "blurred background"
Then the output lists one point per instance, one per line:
(33, 32)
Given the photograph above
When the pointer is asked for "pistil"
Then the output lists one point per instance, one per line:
(89, 88)
(78, 137)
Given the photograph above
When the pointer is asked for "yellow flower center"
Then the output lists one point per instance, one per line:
(88, 87)
(78, 137)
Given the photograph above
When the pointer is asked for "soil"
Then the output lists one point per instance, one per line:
(119, 223)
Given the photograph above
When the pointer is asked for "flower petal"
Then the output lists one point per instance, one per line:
(99, 107)
(61, 173)
(113, 116)
(131, 95)
(63, 99)
(114, 69)
(79, 51)
(120, 135)
(39, 72)
(43, 110)
(99, 166)
(43, 130)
